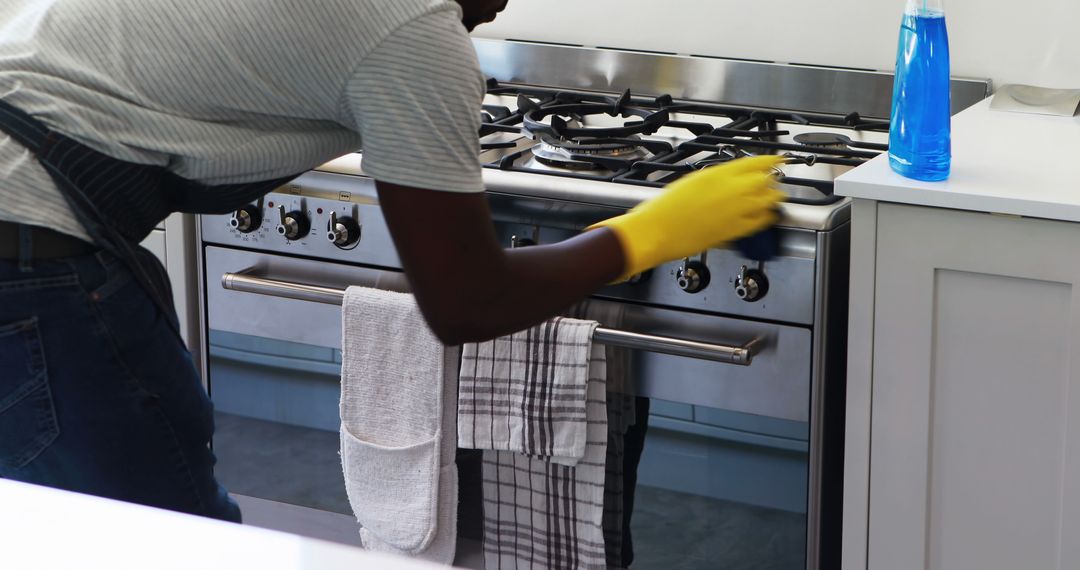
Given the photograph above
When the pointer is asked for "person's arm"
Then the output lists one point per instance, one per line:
(415, 101)
(471, 289)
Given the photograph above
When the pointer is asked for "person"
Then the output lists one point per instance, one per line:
(115, 113)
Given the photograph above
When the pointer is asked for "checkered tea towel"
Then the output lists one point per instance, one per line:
(622, 416)
(526, 392)
(539, 514)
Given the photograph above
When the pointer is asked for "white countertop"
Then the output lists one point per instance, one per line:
(46, 528)
(1003, 162)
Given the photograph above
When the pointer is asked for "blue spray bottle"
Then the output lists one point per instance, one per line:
(919, 133)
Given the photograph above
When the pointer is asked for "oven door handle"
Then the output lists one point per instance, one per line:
(738, 355)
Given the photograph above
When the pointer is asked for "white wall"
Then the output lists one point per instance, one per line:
(1009, 41)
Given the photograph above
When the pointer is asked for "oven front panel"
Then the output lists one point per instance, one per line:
(791, 275)
(776, 384)
(723, 475)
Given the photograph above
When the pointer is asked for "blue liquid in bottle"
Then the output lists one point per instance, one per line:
(919, 136)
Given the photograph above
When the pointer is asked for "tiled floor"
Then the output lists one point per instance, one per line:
(671, 530)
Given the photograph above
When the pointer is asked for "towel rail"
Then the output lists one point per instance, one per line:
(738, 355)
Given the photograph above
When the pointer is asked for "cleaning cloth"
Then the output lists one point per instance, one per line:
(540, 513)
(398, 395)
(525, 392)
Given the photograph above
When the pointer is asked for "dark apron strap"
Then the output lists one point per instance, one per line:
(36, 137)
(144, 266)
(118, 203)
(25, 129)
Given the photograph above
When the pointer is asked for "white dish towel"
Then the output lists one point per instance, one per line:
(398, 441)
(536, 403)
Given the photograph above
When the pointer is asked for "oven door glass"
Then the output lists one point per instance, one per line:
(718, 489)
(714, 488)
(276, 410)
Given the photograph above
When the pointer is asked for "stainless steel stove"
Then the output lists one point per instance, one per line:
(739, 363)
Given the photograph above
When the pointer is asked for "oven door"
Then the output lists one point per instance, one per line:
(723, 471)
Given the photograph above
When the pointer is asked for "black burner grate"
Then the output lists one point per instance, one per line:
(554, 118)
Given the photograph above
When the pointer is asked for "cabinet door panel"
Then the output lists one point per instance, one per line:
(155, 242)
(973, 394)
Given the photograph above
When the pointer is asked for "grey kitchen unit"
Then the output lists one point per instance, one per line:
(963, 408)
(973, 416)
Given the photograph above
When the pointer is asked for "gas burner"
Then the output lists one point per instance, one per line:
(838, 141)
(834, 140)
(647, 121)
(589, 153)
(730, 153)
(726, 154)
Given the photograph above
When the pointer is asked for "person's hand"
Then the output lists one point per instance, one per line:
(698, 211)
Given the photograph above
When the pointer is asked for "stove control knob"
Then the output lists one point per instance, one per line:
(293, 225)
(342, 232)
(246, 219)
(692, 277)
(751, 285)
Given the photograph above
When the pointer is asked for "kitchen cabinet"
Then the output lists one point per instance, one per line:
(963, 409)
(975, 410)
(155, 242)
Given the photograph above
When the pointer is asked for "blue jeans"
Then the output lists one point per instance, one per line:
(97, 395)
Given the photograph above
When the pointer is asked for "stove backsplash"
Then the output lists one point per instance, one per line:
(704, 79)
(1007, 46)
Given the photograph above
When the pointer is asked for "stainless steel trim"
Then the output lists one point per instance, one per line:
(594, 192)
(565, 189)
(274, 288)
(203, 320)
(734, 82)
(739, 355)
(742, 355)
(830, 363)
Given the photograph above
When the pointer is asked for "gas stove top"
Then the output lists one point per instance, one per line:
(616, 150)
(608, 129)
(652, 141)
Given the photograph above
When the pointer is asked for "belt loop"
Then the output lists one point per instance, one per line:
(26, 248)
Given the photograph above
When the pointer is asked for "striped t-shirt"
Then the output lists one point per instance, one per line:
(241, 90)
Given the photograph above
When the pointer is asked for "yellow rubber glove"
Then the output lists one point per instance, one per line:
(698, 211)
